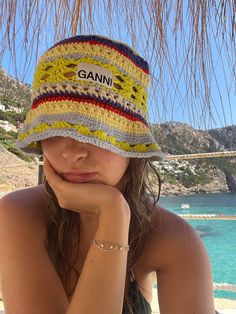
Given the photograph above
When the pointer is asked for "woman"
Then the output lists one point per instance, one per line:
(92, 238)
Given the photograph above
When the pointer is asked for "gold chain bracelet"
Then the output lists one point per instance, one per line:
(109, 246)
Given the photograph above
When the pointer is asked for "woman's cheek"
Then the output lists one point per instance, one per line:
(51, 149)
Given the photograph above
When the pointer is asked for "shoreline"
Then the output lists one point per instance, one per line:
(170, 190)
(193, 192)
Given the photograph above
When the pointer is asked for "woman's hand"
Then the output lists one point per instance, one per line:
(83, 197)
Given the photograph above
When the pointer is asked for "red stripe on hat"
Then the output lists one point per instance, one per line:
(80, 99)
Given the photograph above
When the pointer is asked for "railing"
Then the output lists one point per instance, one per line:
(208, 216)
(224, 287)
(231, 153)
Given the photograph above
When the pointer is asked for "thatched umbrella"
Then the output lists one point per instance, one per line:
(184, 41)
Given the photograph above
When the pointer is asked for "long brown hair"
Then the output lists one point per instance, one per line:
(63, 227)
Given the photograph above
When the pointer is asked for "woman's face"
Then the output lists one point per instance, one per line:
(81, 162)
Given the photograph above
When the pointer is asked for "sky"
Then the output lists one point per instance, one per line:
(165, 104)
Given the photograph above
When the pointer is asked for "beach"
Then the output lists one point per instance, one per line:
(223, 306)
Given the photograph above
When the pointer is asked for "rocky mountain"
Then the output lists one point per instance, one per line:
(198, 175)
(178, 177)
(14, 92)
(180, 138)
(225, 136)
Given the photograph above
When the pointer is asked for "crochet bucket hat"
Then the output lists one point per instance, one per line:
(94, 90)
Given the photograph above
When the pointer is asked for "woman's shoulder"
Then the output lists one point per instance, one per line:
(166, 223)
(170, 237)
(30, 202)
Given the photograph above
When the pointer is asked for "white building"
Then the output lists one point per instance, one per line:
(7, 126)
(18, 110)
(2, 107)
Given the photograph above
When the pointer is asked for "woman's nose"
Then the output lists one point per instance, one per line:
(74, 150)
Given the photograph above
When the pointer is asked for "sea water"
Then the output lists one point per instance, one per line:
(219, 236)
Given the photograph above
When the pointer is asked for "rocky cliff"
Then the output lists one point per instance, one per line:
(14, 92)
(199, 175)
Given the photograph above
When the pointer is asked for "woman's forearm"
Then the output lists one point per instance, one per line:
(100, 288)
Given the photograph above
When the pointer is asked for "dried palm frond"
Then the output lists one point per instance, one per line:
(184, 42)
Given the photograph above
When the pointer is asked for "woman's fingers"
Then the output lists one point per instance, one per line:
(69, 195)
(53, 179)
(88, 197)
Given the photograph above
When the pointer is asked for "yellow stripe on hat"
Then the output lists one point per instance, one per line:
(59, 70)
(88, 110)
(83, 130)
(104, 52)
(70, 87)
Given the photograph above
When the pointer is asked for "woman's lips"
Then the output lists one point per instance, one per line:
(78, 178)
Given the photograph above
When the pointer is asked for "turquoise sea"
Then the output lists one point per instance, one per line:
(218, 236)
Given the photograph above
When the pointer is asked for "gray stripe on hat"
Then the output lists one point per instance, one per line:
(82, 138)
(93, 125)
